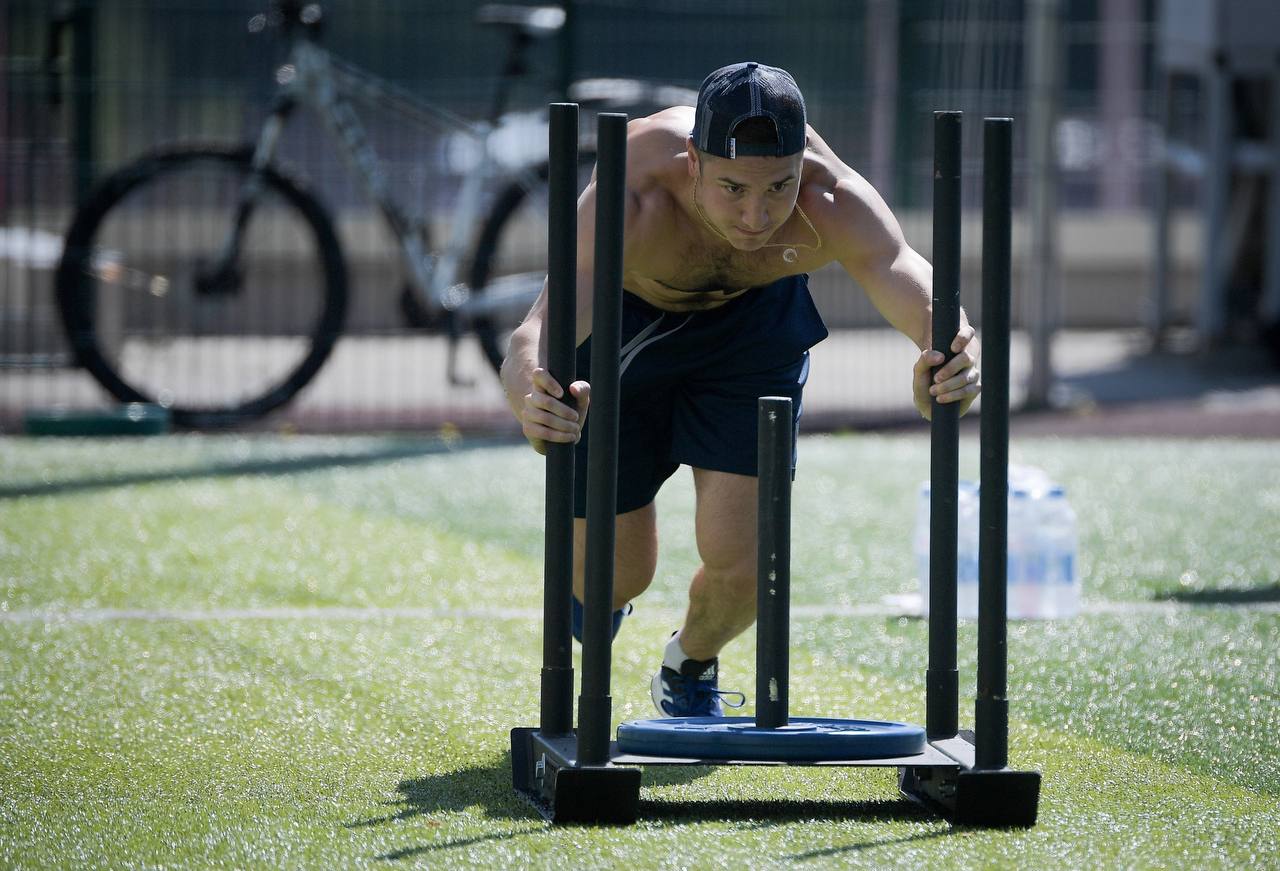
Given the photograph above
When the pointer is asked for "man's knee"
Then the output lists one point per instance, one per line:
(729, 561)
(730, 570)
(726, 527)
(635, 553)
(636, 550)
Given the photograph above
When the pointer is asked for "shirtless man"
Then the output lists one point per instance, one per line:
(729, 206)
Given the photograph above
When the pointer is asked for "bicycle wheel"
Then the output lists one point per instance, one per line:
(510, 264)
(157, 311)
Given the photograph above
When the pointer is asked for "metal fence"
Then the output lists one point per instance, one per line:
(118, 77)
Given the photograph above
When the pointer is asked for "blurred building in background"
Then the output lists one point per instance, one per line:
(85, 86)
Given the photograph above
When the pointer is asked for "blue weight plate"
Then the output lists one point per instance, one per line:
(809, 739)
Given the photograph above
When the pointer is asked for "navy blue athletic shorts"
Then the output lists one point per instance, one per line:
(690, 381)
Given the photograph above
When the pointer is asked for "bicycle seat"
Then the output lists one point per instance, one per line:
(535, 22)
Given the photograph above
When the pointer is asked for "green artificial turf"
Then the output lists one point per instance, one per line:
(292, 652)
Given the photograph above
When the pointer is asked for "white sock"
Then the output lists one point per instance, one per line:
(674, 656)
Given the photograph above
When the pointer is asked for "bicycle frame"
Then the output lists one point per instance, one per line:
(327, 85)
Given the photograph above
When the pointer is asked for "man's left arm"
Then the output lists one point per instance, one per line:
(899, 282)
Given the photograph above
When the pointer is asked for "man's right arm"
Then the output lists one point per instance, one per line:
(545, 412)
(524, 354)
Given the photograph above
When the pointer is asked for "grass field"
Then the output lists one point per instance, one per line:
(307, 653)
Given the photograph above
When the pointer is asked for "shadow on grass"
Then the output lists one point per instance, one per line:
(673, 775)
(829, 852)
(1225, 595)
(397, 450)
(413, 852)
(784, 810)
(486, 786)
(766, 814)
(489, 789)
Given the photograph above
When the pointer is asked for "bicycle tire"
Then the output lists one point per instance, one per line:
(109, 222)
(493, 332)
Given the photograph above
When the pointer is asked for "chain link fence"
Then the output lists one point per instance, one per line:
(86, 87)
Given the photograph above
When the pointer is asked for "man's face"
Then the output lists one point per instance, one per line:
(749, 198)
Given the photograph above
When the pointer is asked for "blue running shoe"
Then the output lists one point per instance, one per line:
(693, 691)
(576, 621)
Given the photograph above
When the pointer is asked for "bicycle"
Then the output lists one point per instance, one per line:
(254, 286)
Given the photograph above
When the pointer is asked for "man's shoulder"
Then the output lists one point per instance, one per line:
(829, 184)
(824, 171)
(656, 160)
(845, 208)
(671, 125)
(656, 143)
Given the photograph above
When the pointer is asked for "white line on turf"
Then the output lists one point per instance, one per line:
(104, 615)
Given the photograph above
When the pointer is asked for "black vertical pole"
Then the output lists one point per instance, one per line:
(942, 698)
(562, 256)
(594, 705)
(773, 560)
(565, 71)
(84, 94)
(991, 714)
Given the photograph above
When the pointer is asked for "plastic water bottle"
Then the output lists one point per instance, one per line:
(1043, 580)
(1060, 543)
(966, 548)
(1027, 591)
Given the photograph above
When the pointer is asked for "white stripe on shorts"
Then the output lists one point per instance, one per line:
(644, 339)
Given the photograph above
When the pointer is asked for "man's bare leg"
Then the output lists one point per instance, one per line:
(722, 597)
(635, 554)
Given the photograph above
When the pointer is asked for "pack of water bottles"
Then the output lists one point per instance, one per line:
(1043, 569)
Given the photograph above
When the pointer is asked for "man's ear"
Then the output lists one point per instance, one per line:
(691, 154)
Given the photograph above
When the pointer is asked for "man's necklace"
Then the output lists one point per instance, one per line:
(789, 253)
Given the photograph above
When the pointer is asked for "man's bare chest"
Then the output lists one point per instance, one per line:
(694, 269)
(691, 276)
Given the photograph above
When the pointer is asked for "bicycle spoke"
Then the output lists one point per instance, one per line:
(165, 315)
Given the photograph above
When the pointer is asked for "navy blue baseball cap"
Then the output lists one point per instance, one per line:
(742, 91)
